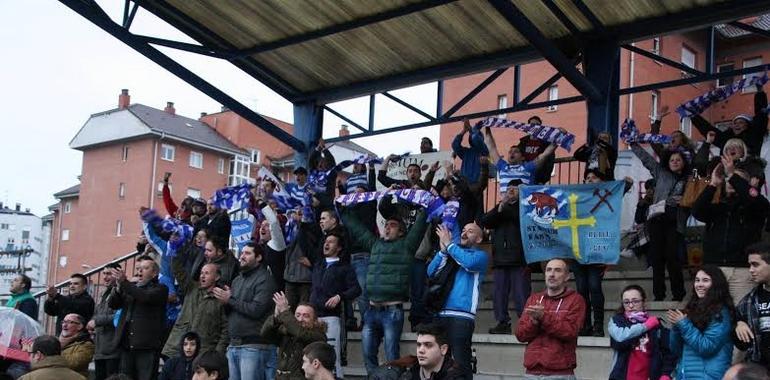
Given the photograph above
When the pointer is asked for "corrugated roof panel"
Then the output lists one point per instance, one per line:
(249, 23)
(423, 39)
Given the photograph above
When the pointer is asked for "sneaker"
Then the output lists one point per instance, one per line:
(501, 328)
(598, 330)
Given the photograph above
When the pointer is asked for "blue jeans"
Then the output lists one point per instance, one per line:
(417, 313)
(387, 322)
(250, 362)
(360, 264)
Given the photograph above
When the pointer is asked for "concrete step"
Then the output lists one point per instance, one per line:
(499, 356)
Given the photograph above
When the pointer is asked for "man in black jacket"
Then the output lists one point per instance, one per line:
(141, 327)
(106, 357)
(216, 221)
(333, 282)
(77, 302)
(248, 304)
(511, 272)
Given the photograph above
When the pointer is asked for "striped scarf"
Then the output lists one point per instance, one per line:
(701, 103)
(630, 134)
(545, 133)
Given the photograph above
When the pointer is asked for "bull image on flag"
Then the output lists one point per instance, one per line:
(580, 222)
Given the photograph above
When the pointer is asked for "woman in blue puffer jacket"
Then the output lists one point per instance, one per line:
(702, 335)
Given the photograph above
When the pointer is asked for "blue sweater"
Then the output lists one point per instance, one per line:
(471, 166)
(703, 354)
(464, 296)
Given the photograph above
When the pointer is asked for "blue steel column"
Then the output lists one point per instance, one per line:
(308, 124)
(601, 65)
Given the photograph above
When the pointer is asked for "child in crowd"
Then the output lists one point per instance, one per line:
(181, 367)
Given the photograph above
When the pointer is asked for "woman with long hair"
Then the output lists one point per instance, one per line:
(702, 335)
(639, 342)
(667, 221)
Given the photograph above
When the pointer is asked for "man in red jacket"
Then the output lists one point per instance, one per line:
(550, 325)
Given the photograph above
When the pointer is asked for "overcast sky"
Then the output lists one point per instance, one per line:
(58, 68)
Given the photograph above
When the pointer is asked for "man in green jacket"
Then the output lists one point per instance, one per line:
(201, 311)
(293, 332)
(387, 282)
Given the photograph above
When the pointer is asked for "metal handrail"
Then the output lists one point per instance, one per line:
(93, 271)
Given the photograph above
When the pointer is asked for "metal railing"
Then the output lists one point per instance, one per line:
(95, 287)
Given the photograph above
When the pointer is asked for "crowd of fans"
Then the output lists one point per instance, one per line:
(282, 307)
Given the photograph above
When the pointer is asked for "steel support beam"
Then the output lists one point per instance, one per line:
(601, 62)
(344, 26)
(372, 103)
(556, 11)
(544, 86)
(407, 105)
(192, 48)
(710, 57)
(662, 59)
(472, 94)
(589, 15)
(750, 28)
(439, 98)
(308, 124)
(549, 51)
(573, 99)
(201, 33)
(516, 83)
(92, 12)
(128, 16)
(346, 119)
(695, 79)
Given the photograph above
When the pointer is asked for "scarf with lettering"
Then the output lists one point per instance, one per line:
(630, 134)
(701, 103)
(545, 133)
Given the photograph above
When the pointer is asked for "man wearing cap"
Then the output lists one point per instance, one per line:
(744, 127)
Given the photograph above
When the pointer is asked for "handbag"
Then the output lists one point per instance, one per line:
(693, 189)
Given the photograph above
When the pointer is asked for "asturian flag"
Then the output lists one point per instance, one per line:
(580, 222)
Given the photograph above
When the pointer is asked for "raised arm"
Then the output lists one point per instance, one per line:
(358, 232)
(648, 161)
(489, 140)
(277, 242)
(540, 160)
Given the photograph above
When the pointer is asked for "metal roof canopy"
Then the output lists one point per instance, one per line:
(328, 50)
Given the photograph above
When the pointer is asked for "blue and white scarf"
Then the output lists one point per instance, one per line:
(701, 103)
(232, 196)
(545, 133)
(434, 205)
(630, 134)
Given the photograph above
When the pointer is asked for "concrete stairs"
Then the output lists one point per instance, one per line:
(501, 356)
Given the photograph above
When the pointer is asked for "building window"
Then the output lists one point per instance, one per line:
(122, 190)
(195, 193)
(65, 235)
(196, 160)
(67, 207)
(25, 236)
(654, 105)
(751, 62)
(3, 226)
(119, 228)
(502, 102)
(685, 125)
(255, 155)
(656, 46)
(221, 166)
(239, 170)
(688, 58)
(125, 153)
(553, 94)
(167, 152)
(727, 80)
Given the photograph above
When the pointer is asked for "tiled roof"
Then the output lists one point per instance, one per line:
(729, 31)
(68, 192)
(182, 127)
